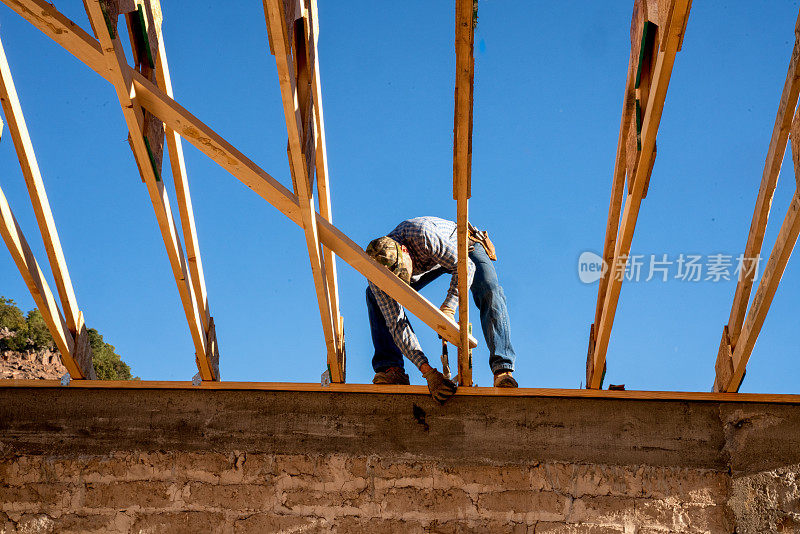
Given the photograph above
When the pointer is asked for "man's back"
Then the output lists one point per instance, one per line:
(430, 241)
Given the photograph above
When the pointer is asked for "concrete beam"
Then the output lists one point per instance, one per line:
(520, 429)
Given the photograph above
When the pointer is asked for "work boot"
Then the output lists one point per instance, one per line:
(503, 379)
(391, 375)
(440, 387)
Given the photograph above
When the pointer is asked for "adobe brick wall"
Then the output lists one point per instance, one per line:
(239, 492)
(77, 460)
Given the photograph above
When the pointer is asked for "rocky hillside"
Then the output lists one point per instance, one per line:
(42, 363)
(27, 349)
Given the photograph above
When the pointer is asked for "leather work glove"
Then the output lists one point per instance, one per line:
(441, 388)
(450, 312)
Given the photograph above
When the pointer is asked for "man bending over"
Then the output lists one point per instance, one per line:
(418, 251)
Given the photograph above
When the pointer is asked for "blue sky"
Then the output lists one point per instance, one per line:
(548, 93)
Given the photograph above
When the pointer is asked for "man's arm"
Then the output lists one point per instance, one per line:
(444, 252)
(397, 322)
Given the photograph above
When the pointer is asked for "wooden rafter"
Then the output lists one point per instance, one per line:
(617, 190)
(69, 327)
(33, 180)
(735, 352)
(183, 196)
(652, 65)
(323, 187)
(146, 140)
(51, 22)
(462, 170)
(732, 358)
(293, 44)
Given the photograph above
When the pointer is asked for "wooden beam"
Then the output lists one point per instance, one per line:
(769, 180)
(670, 35)
(142, 141)
(357, 389)
(323, 188)
(183, 197)
(33, 180)
(83, 46)
(289, 38)
(617, 190)
(462, 170)
(46, 17)
(617, 184)
(464, 351)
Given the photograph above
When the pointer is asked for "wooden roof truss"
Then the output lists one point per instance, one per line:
(657, 30)
(740, 334)
(154, 118)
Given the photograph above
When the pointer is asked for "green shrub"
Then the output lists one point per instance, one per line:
(11, 317)
(38, 333)
(107, 364)
(27, 333)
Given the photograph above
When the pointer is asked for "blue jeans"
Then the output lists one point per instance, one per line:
(490, 300)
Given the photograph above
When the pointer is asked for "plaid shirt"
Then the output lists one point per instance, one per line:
(431, 243)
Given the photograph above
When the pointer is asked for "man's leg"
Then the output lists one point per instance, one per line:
(387, 354)
(491, 301)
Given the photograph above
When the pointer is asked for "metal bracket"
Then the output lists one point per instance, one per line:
(66, 379)
(197, 379)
